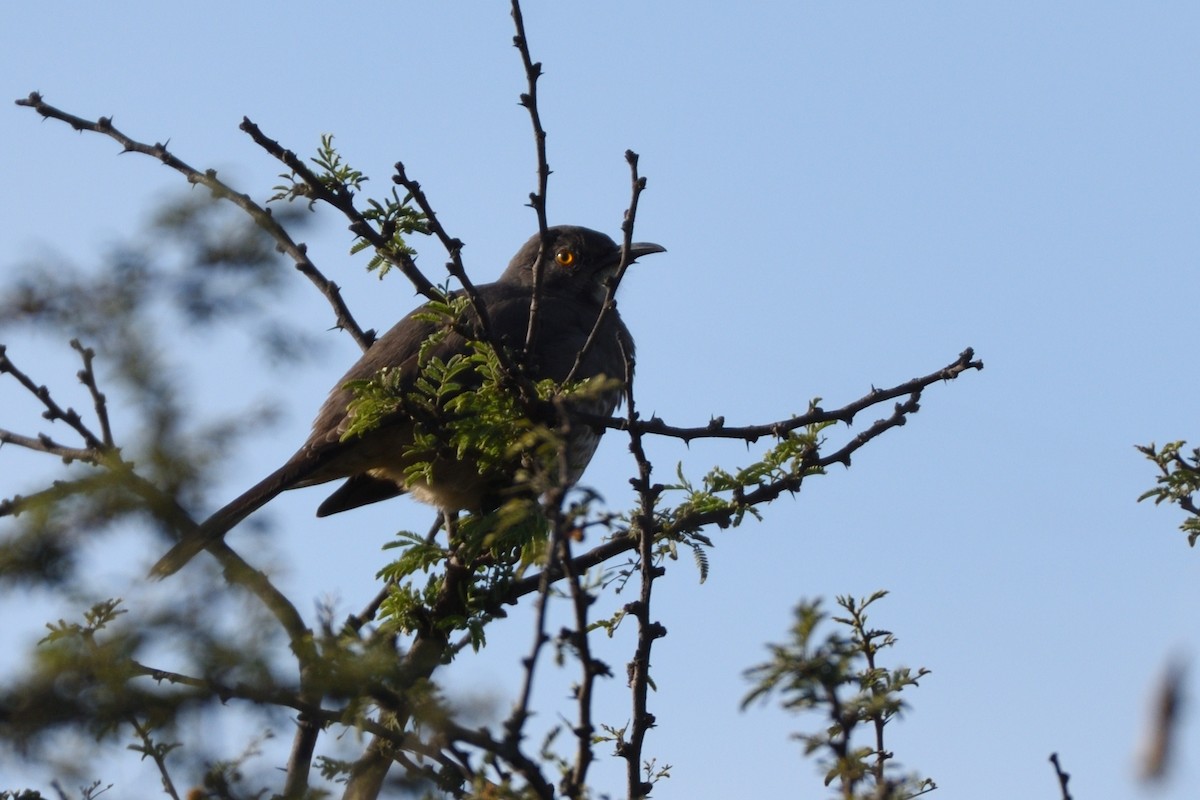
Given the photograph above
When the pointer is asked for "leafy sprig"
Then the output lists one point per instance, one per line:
(395, 216)
(1178, 482)
(840, 676)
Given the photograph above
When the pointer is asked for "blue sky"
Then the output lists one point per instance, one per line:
(851, 193)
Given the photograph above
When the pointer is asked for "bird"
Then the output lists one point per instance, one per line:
(577, 270)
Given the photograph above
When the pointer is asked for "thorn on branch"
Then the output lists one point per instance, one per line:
(1063, 777)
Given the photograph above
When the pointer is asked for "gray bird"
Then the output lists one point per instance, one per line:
(576, 268)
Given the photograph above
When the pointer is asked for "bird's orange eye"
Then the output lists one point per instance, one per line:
(565, 257)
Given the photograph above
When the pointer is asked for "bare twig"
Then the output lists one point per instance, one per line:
(514, 725)
(88, 378)
(1063, 777)
(53, 410)
(44, 444)
(639, 185)
(537, 198)
(156, 754)
(261, 216)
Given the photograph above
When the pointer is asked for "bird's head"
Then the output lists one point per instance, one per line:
(575, 261)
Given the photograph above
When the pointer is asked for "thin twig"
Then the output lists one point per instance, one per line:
(638, 186)
(53, 410)
(87, 377)
(515, 724)
(537, 198)
(1063, 777)
(44, 444)
(157, 755)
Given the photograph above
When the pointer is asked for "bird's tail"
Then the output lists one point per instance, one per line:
(215, 527)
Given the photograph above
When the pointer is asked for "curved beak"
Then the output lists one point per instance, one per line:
(639, 249)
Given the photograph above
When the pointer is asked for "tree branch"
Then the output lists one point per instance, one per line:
(343, 200)
(716, 429)
(261, 216)
(645, 534)
(610, 304)
(622, 542)
(537, 198)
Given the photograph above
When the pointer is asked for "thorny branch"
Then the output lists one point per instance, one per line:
(646, 533)
(639, 185)
(456, 269)
(342, 198)
(93, 444)
(296, 251)
(620, 543)
(537, 198)
(716, 429)
(1063, 777)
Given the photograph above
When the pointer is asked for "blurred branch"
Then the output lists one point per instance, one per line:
(53, 411)
(261, 216)
(1161, 737)
(88, 378)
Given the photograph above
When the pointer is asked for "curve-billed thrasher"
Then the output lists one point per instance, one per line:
(577, 265)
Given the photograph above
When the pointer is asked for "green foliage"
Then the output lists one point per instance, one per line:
(95, 619)
(395, 217)
(723, 494)
(839, 676)
(465, 409)
(724, 497)
(1178, 482)
(333, 174)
